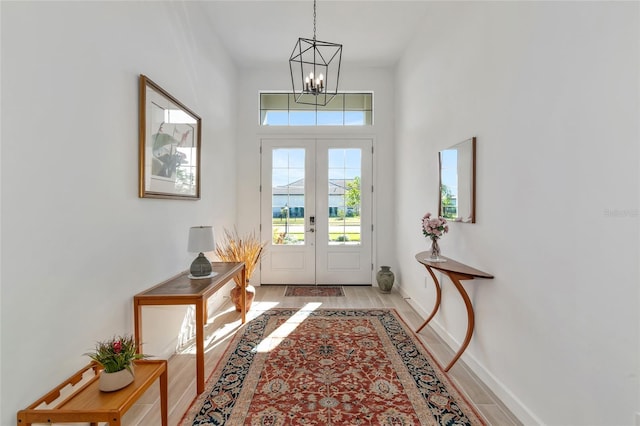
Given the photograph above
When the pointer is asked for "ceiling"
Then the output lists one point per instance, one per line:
(373, 33)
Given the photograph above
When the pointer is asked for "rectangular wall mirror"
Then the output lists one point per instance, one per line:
(458, 182)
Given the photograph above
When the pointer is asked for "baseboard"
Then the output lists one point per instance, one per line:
(507, 397)
(168, 351)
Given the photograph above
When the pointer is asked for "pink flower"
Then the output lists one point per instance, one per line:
(117, 346)
(434, 227)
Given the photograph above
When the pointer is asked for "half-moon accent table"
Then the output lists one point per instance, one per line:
(457, 272)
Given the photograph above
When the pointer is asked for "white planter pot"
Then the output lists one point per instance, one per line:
(109, 382)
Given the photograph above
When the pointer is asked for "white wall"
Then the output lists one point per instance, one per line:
(550, 90)
(77, 242)
(352, 78)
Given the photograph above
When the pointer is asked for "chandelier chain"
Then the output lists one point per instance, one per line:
(319, 66)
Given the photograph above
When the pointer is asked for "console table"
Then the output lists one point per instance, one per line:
(457, 272)
(181, 290)
(89, 404)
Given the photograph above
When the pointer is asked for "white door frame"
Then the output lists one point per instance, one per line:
(333, 260)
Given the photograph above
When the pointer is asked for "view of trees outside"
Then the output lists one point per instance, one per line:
(449, 184)
(344, 186)
(287, 196)
(448, 200)
(288, 216)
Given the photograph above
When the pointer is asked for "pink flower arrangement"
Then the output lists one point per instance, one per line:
(435, 227)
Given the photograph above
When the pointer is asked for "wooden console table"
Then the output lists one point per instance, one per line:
(89, 404)
(457, 272)
(181, 290)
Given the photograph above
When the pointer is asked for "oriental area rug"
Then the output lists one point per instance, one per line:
(312, 290)
(329, 367)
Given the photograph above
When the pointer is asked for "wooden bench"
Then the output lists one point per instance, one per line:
(88, 404)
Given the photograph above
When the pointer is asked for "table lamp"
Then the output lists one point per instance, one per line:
(201, 240)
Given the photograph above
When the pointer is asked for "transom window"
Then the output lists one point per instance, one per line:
(345, 109)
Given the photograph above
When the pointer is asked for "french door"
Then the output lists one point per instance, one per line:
(316, 204)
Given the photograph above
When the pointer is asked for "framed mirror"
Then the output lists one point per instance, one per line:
(457, 182)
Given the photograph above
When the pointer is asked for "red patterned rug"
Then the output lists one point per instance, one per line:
(314, 290)
(327, 368)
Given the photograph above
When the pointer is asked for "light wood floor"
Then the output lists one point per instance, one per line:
(225, 321)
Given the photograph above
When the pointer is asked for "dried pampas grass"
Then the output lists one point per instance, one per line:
(236, 248)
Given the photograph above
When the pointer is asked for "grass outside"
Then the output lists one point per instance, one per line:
(296, 226)
(332, 237)
(332, 221)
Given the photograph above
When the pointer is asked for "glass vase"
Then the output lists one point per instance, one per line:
(435, 251)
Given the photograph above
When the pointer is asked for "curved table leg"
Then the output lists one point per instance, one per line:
(438, 298)
(455, 278)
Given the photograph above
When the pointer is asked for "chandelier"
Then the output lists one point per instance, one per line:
(315, 69)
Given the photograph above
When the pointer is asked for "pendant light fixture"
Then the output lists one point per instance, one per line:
(315, 69)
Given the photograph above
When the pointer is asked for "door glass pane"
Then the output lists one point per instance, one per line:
(344, 196)
(287, 196)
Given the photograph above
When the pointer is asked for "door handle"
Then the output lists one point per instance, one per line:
(311, 230)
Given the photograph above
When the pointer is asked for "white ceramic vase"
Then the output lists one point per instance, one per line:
(109, 382)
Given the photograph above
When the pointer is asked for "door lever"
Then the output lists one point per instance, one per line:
(311, 230)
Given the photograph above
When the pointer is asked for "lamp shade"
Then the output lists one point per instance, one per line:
(201, 239)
